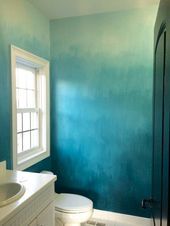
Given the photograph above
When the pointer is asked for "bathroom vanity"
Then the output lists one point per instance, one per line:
(36, 206)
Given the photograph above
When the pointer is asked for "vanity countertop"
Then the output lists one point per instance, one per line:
(34, 183)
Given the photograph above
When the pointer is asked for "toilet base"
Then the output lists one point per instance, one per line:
(72, 219)
(59, 223)
(72, 224)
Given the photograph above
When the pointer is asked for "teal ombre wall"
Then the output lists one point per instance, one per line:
(24, 26)
(101, 107)
(101, 99)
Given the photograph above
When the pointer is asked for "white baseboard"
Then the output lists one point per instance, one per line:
(121, 218)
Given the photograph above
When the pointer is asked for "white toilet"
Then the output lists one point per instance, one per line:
(71, 209)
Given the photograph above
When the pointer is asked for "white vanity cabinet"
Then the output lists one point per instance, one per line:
(45, 218)
(38, 212)
(33, 223)
(36, 206)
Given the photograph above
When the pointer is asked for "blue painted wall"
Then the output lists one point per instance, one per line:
(101, 92)
(24, 26)
(101, 111)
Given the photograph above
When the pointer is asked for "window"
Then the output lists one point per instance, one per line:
(30, 108)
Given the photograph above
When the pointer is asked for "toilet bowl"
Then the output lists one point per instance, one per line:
(71, 209)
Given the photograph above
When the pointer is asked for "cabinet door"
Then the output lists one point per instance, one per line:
(33, 223)
(47, 216)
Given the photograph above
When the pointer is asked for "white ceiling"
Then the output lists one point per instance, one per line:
(68, 8)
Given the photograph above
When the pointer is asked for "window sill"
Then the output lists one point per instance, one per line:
(32, 160)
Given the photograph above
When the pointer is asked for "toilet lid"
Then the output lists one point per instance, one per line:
(72, 203)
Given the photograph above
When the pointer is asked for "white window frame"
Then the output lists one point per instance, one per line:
(28, 160)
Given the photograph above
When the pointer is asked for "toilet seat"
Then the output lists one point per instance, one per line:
(71, 203)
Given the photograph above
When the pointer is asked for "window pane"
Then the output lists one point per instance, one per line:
(20, 78)
(30, 99)
(26, 141)
(30, 79)
(19, 143)
(19, 122)
(34, 120)
(34, 139)
(21, 98)
(17, 98)
(25, 85)
(26, 121)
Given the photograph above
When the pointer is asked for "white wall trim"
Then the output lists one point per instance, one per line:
(2, 167)
(121, 218)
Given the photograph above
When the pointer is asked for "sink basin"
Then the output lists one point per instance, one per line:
(10, 192)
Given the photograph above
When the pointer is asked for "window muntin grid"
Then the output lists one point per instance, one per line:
(28, 131)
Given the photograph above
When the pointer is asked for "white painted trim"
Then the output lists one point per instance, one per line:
(120, 218)
(2, 167)
(30, 56)
(17, 53)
